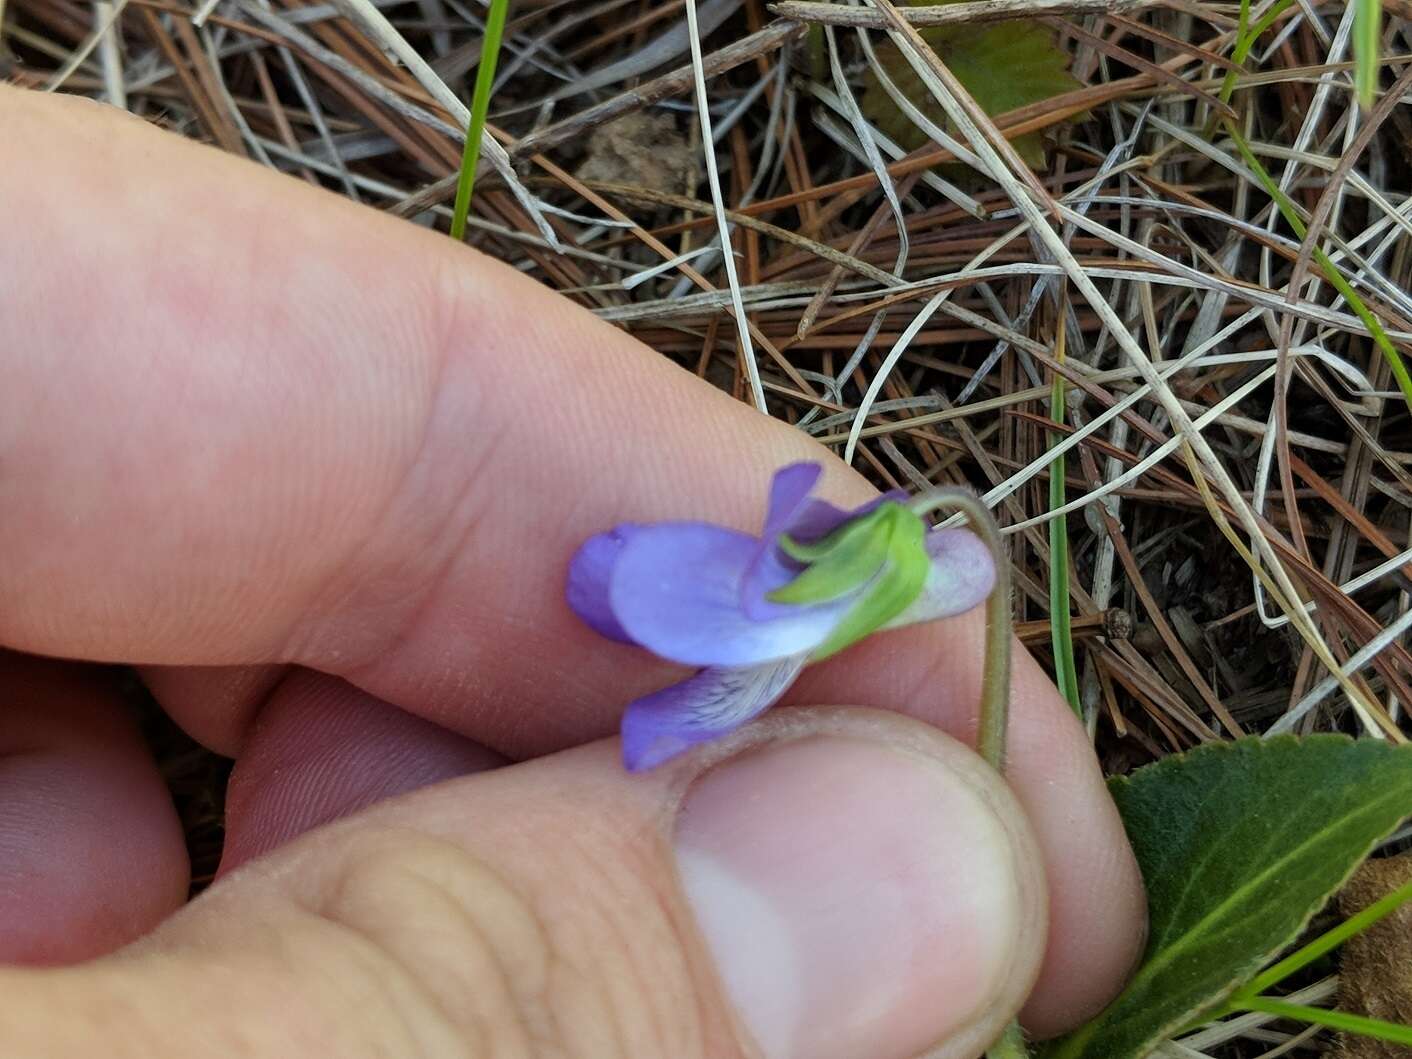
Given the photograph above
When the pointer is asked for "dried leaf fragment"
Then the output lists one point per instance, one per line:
(1376, 977)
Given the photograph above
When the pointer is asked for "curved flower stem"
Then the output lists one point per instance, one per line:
(995, 681)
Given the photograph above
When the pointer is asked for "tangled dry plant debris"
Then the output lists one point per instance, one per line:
(1239, 462)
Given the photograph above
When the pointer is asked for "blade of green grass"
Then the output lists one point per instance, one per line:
(1246, 36)
(1337, 1020)
(1060, 631)
(1326, 265)
(1367, 27)
(480, 106)
(1368, 15)
(1328, 941)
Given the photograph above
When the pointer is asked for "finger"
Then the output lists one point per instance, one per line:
(851, 885)
(340, 421)
(91, 854)
(350, 478)
(215, 704)
(323, 750)
(353, 476)
(1097, 904)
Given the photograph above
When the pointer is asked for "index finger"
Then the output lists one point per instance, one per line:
(244, 421)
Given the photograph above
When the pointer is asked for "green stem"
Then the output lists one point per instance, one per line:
(814, 48)
(1246, 36)
(1337, 1020)
(1061, 634)
(995, 680)
(1367, 27)
(480, 106)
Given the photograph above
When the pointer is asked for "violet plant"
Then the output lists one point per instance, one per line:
(753, 611)
(750, 612)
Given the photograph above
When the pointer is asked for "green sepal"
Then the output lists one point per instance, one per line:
(883, 553)
(840, 563)
(899, 582)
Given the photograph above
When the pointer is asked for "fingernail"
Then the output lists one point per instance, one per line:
(859, 900)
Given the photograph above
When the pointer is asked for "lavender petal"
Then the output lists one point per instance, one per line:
(676, 590)
(789, 491)
(962, 576)
(771, 568)
(590, 572)
(710, 704)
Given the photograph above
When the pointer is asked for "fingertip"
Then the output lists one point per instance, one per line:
(92, 855)
(1097, 904)
(321, 750)
(215, 705)
(874, 895)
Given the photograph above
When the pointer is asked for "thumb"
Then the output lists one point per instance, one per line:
(834, 884)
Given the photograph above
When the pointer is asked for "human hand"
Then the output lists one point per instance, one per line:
(320, 473)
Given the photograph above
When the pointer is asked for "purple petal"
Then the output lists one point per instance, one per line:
(819, 518)
(676, 590)
(962, 575)
(792, 511)
(590, 572)
(711, 704)
(814, 519)
(771, 568)
(789, 490)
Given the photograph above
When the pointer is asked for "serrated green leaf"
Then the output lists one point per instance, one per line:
(840, 563)
(1004, 65)
(1239, 844)
(899, 582)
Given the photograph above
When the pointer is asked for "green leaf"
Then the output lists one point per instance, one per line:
(840, 563)
(1239, 844)
(1325, 943)
(1004, 65)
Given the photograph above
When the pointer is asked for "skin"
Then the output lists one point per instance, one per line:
(318, 473)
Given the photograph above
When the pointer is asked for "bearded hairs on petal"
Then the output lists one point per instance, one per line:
(713, 703)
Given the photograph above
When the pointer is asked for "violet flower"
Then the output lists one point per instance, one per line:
(753, 611)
